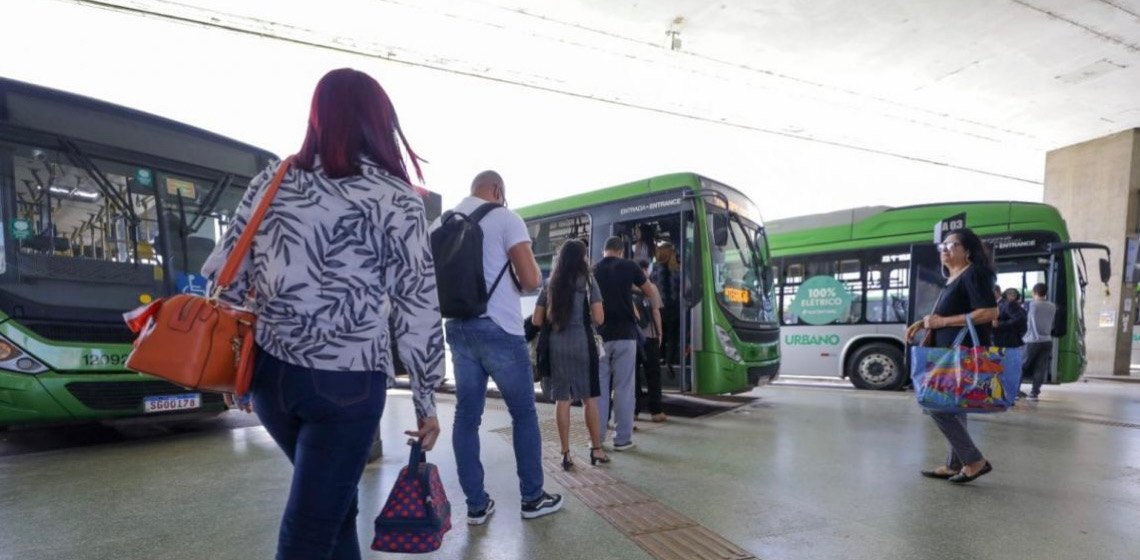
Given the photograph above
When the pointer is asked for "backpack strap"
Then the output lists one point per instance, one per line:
(477, 216)
(482, 211)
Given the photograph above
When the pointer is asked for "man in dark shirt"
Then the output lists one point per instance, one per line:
(616, 279)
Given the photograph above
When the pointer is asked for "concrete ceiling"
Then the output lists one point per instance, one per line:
(981, 85)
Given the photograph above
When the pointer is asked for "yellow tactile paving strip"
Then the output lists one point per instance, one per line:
(658, 529)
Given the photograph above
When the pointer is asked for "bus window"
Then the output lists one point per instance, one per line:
(888, 284)
(548, 236)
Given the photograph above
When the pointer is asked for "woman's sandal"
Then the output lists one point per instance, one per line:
(936, 474)
(567, 464)
(594, 459)
(962, 477)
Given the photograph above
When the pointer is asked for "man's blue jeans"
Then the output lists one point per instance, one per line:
(480, 350)
(324, 421)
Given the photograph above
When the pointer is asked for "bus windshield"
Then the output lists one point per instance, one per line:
(99, 234)
(739, 273)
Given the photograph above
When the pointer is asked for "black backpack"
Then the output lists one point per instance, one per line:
(457, 248)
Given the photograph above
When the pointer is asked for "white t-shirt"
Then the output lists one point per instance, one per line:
(502, 229)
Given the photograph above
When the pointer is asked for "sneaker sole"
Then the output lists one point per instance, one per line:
(544, 511)
(484, 518)
(624, 447)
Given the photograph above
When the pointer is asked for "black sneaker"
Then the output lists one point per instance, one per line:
(544, 505)
(480, 517)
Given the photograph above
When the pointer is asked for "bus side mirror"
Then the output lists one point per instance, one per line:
(720, 229)
(1105, 270)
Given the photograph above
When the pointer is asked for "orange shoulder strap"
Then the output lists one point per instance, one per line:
(241, 249)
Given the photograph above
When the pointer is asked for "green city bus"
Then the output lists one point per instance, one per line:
(848, 282)
(103, 208)
(725, 322)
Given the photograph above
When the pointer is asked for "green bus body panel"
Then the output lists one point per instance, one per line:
(873, 227)
(63, 356)
(659, 184)
(870, 227)
(715, 372)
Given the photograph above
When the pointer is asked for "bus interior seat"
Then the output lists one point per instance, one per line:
(49, 244)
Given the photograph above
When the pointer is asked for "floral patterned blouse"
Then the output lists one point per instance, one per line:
(333, 261)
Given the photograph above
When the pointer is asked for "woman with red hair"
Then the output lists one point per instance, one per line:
(341, 249)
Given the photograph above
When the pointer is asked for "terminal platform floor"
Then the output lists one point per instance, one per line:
(795, 473)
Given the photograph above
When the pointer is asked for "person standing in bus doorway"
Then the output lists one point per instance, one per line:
(968, 292)
(1009, 327)
(646, 245)
(666, 277)
(617, 277)
(1039, 338)
(570, 305)
(323, 358)
(493, 346)
(649, 359)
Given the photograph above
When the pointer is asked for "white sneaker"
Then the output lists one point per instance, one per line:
(544, 505)
(624, 446)
(480, 517)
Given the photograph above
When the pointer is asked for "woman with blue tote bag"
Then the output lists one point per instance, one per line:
(968, 293)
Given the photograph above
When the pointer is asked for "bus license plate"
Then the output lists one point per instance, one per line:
(171, 402)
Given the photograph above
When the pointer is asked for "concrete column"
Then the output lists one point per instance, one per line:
(1095, 185)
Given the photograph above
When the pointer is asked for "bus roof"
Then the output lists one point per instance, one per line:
(44, 109)
(872, 224)
(658, 184)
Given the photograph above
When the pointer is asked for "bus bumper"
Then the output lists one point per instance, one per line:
(57, 397)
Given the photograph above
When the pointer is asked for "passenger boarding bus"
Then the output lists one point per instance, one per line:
(726, 324)
(846, 282)
(103, 208)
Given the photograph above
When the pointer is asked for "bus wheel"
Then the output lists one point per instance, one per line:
(877, 366)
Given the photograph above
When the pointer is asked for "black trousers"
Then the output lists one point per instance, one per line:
(1038, 362)
(649, 368)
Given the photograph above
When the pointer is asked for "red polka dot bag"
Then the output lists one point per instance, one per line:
(417, 513)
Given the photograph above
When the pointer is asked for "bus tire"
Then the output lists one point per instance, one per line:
(877, 366)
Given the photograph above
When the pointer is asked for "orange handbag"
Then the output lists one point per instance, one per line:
(201, 342)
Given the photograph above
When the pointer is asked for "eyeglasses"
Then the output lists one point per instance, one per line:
(947, 246)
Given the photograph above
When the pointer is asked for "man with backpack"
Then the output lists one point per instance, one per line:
(483, 261)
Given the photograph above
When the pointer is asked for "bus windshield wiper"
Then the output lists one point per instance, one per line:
(207, 207)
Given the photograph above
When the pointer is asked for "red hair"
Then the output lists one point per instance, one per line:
(351, 117)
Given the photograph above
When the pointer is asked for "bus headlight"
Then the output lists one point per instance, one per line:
(13, 359)
(727, 344)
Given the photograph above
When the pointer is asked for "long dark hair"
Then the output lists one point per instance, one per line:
(351, 116)
(571, 266)
(976, 251)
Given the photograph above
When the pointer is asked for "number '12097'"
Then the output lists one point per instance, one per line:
(104, 359)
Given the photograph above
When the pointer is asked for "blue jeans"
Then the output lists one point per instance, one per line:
(324, 421)
(481, 350)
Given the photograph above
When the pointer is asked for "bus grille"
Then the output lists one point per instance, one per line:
(755, 374)
(128, 395)
(101, 333)
(758, 336)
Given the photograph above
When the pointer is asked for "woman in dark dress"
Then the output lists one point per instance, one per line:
(968, 291)
(568, 303)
